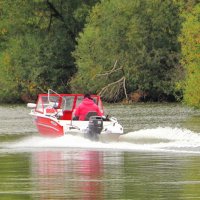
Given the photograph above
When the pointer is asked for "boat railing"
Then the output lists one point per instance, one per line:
(50, 91)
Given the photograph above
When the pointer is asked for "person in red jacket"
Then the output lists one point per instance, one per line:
(87, 105)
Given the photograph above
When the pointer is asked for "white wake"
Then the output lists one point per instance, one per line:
(158, 139)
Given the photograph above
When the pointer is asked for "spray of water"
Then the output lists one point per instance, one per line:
(158, 139)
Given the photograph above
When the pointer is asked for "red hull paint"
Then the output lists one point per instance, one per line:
(48, 127)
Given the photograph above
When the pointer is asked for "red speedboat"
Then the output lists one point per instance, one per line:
(53, 116)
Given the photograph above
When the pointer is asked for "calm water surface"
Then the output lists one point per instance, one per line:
(157, 158)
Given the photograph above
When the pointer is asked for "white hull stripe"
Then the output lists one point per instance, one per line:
(40, 124)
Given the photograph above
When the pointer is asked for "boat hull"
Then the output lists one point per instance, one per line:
(48, 127)
(51, 128)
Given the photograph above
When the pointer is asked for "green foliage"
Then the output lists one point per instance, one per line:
(140, 35)
(36, 41)
(18, 73)
(190, 42)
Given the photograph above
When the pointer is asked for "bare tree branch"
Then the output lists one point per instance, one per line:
(124, 85)
(113, 90)
(50, 21)
(111, 71)
(57, 14)
(41, 89)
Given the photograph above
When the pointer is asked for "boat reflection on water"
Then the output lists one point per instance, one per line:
(90, 170)
(69, 175)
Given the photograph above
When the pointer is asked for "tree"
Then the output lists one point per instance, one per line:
(36, 40)
(190, 43)
(141, 36)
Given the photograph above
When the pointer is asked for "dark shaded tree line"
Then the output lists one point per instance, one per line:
(116, 48)
(36, 41)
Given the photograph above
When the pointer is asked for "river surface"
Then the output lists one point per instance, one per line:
(157, 158)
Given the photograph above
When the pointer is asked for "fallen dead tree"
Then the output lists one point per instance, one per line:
(115, 90)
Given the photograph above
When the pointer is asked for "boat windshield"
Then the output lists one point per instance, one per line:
(67, 102)
(44, 101)
(63, 101)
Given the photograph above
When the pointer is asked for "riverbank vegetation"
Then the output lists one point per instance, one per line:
(121, 49)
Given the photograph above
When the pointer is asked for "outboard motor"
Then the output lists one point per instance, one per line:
(94, 128)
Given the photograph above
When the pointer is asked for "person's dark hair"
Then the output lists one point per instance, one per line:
(87, 95)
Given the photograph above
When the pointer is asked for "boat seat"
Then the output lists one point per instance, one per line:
(50, 111)
(90, 114)
(67, 115)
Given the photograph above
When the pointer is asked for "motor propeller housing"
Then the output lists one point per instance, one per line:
(95, 127)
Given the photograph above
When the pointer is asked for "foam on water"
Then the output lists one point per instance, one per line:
(158, 139)
(166, 134)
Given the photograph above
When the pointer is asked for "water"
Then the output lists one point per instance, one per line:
(157, 158)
